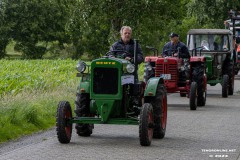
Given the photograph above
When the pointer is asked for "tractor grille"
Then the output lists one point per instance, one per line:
(167, 69)
(105, 80)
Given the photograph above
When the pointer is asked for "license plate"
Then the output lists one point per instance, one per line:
(166, 76)
(127, 79)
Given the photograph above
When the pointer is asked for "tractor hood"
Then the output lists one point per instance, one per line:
(107, 77)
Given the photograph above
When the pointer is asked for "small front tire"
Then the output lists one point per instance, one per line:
(146, 125)
(63, 125)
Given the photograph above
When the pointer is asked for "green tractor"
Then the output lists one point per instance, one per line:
(216, 46)
(110, 93)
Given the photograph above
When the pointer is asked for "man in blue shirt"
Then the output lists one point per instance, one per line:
(126, 44)
(171, 48)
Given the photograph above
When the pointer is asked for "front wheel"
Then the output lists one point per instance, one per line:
(193, 96)
(146, 125)
(63, 125)
(201, 100)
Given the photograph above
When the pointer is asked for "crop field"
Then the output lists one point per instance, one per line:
(26, 75)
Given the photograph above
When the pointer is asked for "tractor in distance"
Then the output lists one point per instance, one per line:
(216, 46)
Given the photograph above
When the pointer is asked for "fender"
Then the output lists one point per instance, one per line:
(197, 59)
(238, 54)
(84, 87)
(151, 86)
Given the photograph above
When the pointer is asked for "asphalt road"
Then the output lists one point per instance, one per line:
(210, 132)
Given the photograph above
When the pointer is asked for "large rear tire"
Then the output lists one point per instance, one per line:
(63, 125)
(198, 77)
(225, 82)
(193, 96)
(83, 110)
(231, 79)
(146, 125)
(159, 103)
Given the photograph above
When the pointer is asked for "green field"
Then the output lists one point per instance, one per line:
(30, 91)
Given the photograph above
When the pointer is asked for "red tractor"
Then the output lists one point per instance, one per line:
(184, 76)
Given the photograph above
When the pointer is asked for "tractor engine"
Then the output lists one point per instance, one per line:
(168, 68)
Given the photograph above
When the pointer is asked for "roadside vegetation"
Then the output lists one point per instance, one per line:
(30, 91)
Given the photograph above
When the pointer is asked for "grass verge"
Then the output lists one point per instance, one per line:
(30, 112)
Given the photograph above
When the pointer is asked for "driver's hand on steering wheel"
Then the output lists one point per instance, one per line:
(128, 58)
(175, 54)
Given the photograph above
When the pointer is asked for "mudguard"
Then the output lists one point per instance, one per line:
(238, 54)
(84, 87)
(197, 59)
(151, 86)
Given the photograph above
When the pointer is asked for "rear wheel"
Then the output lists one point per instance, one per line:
(83, 110)
(63, 125)
(146, 125)
(198, 77)
(225, 82)
(159, 103)
(231, 79)
(193, 96)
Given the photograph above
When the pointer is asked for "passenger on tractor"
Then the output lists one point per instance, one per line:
(126, 44)
(171, 48)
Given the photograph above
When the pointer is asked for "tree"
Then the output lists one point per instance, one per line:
(103, 19)
(4, 31)
(212, 13)
(33, 22)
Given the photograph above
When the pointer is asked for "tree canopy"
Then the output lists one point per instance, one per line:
(91, 27)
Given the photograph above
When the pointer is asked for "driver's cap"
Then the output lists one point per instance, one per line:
(173, 35)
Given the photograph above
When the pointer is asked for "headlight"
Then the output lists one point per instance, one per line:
(148, 66)
(219, 66)
(182, 68)
(130, 68)
(81, 66)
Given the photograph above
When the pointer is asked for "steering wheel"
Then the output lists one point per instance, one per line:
(123, 55)
(173, 51)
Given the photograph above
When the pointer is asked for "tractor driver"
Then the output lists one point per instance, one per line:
(171, 48)
(126, 44)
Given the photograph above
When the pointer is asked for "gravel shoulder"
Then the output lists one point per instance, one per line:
(27, 140)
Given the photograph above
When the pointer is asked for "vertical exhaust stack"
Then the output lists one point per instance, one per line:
(135, 61)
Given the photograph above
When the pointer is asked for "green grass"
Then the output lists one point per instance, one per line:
(31, 112)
